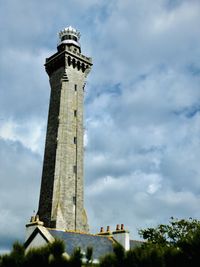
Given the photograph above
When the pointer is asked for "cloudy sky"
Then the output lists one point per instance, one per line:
(142, 109)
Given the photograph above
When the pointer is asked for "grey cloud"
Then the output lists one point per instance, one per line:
(144, 36)
(24, 86)
(19, 178)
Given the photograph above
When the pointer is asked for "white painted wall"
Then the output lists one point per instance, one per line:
(122, 238)
(29, 230)
(38, 241)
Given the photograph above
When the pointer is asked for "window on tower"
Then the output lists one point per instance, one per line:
(74, 38)
(75, 113)
(75, 87)
(74, 168)
(75, 140)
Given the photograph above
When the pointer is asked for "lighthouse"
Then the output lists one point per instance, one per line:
(61, 203)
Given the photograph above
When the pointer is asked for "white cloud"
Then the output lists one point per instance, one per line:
(137, 181)
(170, 20)
(29, 133)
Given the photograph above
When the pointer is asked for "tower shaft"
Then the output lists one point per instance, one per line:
(61, 203)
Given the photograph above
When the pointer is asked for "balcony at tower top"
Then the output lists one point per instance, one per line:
(69, 36)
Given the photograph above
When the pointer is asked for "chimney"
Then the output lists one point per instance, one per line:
(108, 229)
(105, 233)
(117, 227)
(122, 236)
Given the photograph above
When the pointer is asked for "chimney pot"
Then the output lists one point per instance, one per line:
(32, 219)
(37, 218)
(117, 227)
(108, 228)
(101, 230)
(122, 226)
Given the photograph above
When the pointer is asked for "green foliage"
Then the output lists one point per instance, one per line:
(116, 259)
(16, 257)
(49, 255)
(173, 234)
(76, 258)
(119, 255)
(107, 261)
(57, 250)
(172, 245)
(89, 253)
(38, 256)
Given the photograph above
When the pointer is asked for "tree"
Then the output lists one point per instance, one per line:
(57, 254)
(107, 261)
(174, 234)
(180, 240)
(48, 255)
(88, 255)
(38, 256)
(119, 254)
(76, 258)
(16, 258)
(116, 259)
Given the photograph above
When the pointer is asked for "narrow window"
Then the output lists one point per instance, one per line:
(75, 113)
(74, 200)
(75, 87)
(75, 140)
(74, 168)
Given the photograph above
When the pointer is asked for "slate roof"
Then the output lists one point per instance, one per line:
(102, 245)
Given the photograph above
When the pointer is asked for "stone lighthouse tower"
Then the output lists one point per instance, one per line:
(61, 203)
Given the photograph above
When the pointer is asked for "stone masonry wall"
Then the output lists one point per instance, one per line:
(62, 190)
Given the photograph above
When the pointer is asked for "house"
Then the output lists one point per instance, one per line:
(102, 243)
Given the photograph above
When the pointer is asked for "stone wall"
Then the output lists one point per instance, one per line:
(61, 202)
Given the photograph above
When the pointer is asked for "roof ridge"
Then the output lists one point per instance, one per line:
(78, 232)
